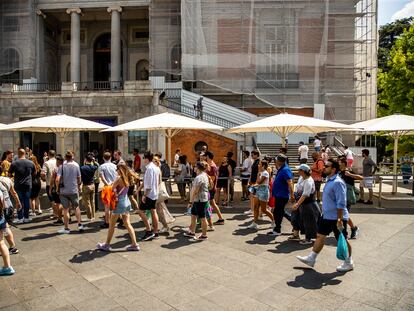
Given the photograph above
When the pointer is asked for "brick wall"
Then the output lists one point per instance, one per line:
(219, 145)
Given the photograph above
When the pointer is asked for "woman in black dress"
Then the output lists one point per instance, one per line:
(36, 185)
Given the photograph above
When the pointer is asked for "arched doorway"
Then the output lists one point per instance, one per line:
(142, 70)
(102, 58)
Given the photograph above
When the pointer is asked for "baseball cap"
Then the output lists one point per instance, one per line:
(303, 167)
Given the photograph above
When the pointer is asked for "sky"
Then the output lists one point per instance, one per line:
(390, 10)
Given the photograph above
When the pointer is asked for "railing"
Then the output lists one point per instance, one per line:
(98, 86)
(37, 87)
(188, 111)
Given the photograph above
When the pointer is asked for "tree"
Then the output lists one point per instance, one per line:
(396, 84)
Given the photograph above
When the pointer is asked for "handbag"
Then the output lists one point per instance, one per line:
(162, 193)
(167, 215)
(350, 194)
(341, 248)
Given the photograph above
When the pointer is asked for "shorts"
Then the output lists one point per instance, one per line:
(327, 226)
(3, 223)
(123, 206)
(49, 196)
(69, 200)
(245, 179)
(148, 205)
(317, 149)
(318, 184)
(131, 190)
(199, 209)
(367, 182)
(263, 193)
(303, 160)
(212, 194)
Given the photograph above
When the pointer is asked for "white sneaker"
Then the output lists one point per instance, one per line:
(306, 260)
(81, 228)
(64, 231)
(27, 220)
(18, 221)
(164, 230)
(273, 233)
(249, 212)
(345, 267)
(253, 226)
(211, 228)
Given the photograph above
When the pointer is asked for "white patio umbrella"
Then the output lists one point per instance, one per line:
(171, 123)
(396, 125)
(285, 124)
(60, 124)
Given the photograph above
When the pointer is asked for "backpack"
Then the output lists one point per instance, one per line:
(323, 171)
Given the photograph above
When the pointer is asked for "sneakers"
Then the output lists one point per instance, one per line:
(81, 228)
(103, 247)
(306, 260)
(369, 202)
(27, 220)
(211, 228)
(249, 212)
(156, 236)
(253, 225)
(189, 234)
(164, 230)
(200, 238)
(133, 248)
(219, 222)
(13, 251)
(7, 271)
(305, 242)
(64, 231)
(148, 236)
(18, 221)
(105, 225)
(354, 232)
(360, 201)
(273, 233)
(346, 266)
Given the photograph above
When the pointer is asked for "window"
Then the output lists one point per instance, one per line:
(10, 23)
(199, 146)
(137, 139)
(139, 34)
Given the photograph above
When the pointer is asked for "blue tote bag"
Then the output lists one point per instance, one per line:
(342, 248)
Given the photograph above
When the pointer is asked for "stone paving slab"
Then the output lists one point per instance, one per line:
(236, 269)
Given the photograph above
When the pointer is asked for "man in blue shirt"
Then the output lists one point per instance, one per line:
(334, 216)
(282, 191)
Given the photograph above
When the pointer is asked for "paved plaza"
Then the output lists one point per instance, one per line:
(236, 269)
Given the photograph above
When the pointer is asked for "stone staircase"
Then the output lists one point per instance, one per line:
(272, 150)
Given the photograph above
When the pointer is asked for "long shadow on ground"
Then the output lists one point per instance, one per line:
(311, 279)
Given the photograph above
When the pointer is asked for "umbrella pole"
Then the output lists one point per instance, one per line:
(395, 178)
(61, 143)
(168, 134)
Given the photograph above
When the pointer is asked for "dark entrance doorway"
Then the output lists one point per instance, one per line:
(102, 58)
(97, 142)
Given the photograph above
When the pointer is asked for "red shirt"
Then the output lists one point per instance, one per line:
(137, 162)
(212, 171)
(318, 165)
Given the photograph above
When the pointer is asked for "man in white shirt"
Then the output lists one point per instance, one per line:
(317, 143)
(46, 174)
(245, 174)
(108, 174)
(303, 151)
(152, 180)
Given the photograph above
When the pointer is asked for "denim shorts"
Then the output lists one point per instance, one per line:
(123, 206)
(262, 193)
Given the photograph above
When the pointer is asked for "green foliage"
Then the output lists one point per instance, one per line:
(396, 82)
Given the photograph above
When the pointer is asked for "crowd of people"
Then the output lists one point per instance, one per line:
(126, 189)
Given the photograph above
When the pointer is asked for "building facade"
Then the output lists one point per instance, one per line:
(94, 59)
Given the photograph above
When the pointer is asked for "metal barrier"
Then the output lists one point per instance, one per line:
(98, 86)
(381, 179)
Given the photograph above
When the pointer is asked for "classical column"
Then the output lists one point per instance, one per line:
(115, 44)
(40, 47)
(74, 44)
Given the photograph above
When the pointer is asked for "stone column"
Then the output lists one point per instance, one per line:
(115, 44)
(40, 47)
(74, 44)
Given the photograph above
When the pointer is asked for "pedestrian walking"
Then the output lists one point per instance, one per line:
(262, 195)
(406, 167)
(246, 170)
(334, 217)
(108, 174)
(137, 160)
(199, 202)
(88, 170)
(368, 170)
(22, 170)
(282, 191)
(303, 152)
(36, 186)
(182, 174)
(122, 208)
(151, 190)
(305, 211)
(317, 168)
(68, 181)
(7, 269)
(6, 161)
(233, 166)
(224, 174)
(46, 174)
(317, 143)
(349, 156)
(253, 179)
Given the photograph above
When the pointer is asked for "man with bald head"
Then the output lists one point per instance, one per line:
(22, 170)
